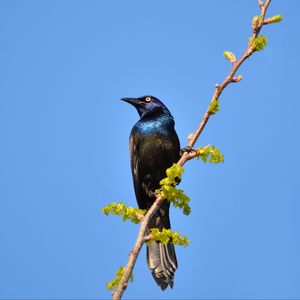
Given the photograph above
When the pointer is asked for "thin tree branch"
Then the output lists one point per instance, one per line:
(189, 155)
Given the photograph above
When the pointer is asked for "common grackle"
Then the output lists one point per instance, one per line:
(154, 147)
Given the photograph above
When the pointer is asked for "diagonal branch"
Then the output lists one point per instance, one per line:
(141, 238)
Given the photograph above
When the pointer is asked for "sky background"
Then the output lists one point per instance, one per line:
(64, 153)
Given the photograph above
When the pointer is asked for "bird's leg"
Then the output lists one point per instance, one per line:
(187, 149)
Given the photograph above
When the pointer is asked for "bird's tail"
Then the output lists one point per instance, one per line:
(162, 263)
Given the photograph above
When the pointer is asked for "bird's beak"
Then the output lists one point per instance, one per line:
(133, 101)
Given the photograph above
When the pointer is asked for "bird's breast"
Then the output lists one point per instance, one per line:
(158, 147)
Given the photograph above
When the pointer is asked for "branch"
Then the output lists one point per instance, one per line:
(230, 77)
(255, 44)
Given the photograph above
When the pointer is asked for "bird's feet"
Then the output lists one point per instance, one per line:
(187, 149)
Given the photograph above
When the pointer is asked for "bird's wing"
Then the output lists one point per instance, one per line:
(134, 144)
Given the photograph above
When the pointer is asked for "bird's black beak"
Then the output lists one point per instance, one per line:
(133, 101)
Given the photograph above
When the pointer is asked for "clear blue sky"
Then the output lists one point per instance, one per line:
(64, 154)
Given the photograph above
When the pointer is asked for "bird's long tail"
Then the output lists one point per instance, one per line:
(162, 263)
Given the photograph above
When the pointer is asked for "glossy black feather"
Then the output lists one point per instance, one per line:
(154, 147)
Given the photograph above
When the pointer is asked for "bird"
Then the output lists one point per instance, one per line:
(154, 147)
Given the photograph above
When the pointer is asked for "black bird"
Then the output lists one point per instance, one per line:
(154, 147)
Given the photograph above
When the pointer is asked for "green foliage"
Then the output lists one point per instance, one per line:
(214, 107)
(167, 235)
(275, 19)
(176, 196)
(210, 154)
(120, 209)
(174, 175)
(229, 56)
(258, 43)
(169, 191)
(115, 281)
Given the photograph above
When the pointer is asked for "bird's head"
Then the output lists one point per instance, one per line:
(147, 105)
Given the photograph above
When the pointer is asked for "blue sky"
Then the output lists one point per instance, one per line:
(64, 153)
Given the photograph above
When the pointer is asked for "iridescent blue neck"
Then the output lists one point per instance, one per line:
(155, 124)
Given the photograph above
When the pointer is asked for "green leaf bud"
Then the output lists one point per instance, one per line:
(258, 43)
(214, 107)
(255, 21)
(112, 285)
(230, 56)
(274, 19)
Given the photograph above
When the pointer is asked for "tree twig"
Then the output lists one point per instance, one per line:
(141, 238)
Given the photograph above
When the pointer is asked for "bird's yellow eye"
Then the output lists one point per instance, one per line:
(148, 99)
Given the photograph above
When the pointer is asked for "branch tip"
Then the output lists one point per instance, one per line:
(274, 19)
